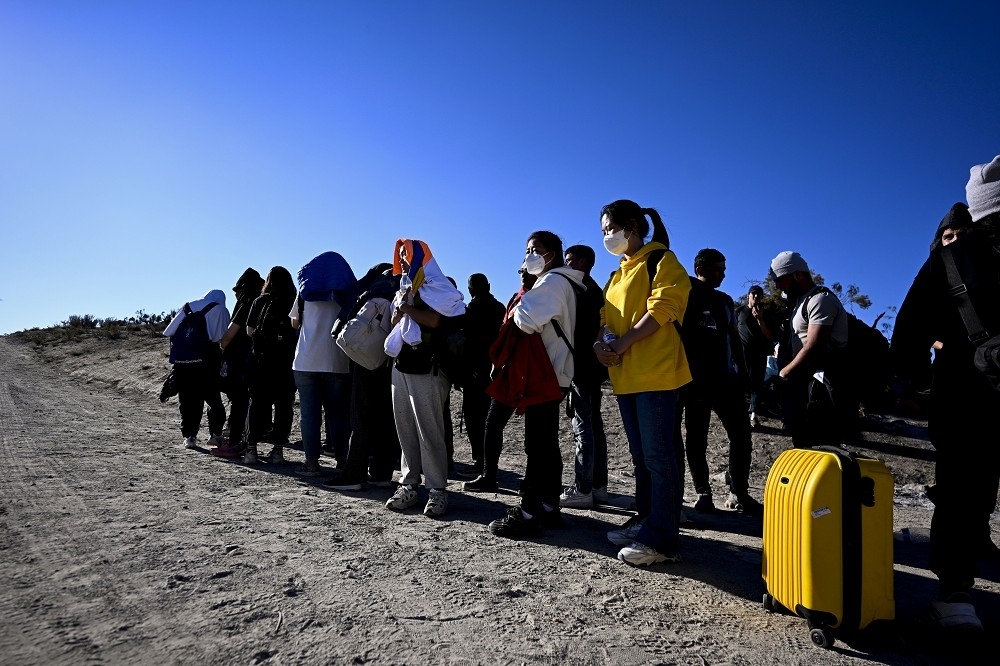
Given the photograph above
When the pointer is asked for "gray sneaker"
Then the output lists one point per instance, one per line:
(641, 555)
(403, 498)
(250, 456)
(437, 503)
(626, 534)
(190, 442)
(574, 499)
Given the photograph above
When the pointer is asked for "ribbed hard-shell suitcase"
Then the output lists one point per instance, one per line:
(827, 551)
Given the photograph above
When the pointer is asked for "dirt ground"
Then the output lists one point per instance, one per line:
(118, 546)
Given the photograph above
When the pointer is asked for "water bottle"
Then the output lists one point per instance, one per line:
(708, 321)
(607, 336)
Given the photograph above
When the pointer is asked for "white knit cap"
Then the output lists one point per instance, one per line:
(788, 262)
(983, 189)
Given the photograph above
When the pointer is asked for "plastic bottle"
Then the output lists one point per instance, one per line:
(708, 321)
(607, 336)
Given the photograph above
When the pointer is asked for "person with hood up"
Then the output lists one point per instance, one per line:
(198, 382)
(550, 302)
(236, 358)
(420, 388)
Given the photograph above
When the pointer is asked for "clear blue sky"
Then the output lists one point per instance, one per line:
(151, 151)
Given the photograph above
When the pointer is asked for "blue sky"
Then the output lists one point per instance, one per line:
(151, 151)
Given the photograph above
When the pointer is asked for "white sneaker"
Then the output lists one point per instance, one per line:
(574, 499)
(600, 495)
(190, 442)
(403, 498)
(437, 503)
(641, 555)
(626, 534)
(959, 614)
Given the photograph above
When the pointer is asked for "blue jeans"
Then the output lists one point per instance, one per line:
(591, 466)
(648, 420)
(319, 391)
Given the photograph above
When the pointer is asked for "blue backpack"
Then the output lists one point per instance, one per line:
(189, 343)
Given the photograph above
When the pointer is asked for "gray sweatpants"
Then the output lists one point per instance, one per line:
(418, 406)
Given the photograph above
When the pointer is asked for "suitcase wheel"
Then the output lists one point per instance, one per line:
(822, 637)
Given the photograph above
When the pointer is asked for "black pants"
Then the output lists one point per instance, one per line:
(542, 480)
(197, 386)
(271, 387)
(475, 407)
(374, 448)
(236, 388)
(697, 401)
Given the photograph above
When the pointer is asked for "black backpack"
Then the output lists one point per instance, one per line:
(190, 344)
(274, 337)
(866, 357)
(451, 353)
(586, 368)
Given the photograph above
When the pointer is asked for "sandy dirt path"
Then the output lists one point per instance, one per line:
(117, 546)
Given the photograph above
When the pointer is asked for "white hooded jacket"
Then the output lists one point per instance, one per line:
(216, 319)
(552, 298)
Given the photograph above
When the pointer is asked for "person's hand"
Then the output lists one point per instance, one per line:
(606, 355)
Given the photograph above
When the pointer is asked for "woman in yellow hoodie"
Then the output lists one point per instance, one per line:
(645, 358)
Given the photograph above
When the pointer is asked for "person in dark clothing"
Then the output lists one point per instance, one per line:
(374, 450)
(715, 356)
(962, 421)
(236, 349)
(483, 317)
(591, 464)
(272, 383)
(757, 340)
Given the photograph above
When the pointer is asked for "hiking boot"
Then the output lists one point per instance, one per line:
(403, 498)
(481, 484)
(600, 495)
(626, 534)
(641, 555)
(744, 504)
(342, 481)
(190, 442)
(705, 504)
(437, 503)
(574, 499)
(514, 525)
(227, 450)
(956, 613)
(276, 456)
(250, 456)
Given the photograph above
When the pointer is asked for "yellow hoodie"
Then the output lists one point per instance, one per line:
(657, 362)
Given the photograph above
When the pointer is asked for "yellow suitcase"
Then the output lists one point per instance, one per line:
(827, 551)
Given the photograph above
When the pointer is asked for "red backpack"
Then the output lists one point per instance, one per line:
(524, 375)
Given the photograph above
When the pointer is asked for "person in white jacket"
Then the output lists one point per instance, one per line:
(198, 383)
(551, 300)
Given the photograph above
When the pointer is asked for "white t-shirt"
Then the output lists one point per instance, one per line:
(822, 308)
(316, 350)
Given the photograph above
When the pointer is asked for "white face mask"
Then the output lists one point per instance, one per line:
(534, 264)
(616, 243)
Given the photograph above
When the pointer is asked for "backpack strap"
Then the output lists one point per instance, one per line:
(187, 309)
(556, 325)
(958, 291)
(203, 310)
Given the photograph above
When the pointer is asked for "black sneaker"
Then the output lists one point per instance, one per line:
(515, 526)
(481, 484)
(342, 481)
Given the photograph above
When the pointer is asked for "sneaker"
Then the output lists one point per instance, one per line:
(626, 534)
(641, 555)
(190, 442)
(745, 504)
(600, 495)
(379, 483)
(276, 456)
(574, 499)
(957, 612)
(704, 504)
(216, 440)
(683, 519)
(341, 481)
(307, 470)
(226, 450)
(514, 525)
(250, 456)
(472, 471)
(753, 420)
(481, 484)
(437, 503)
(403, 498)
